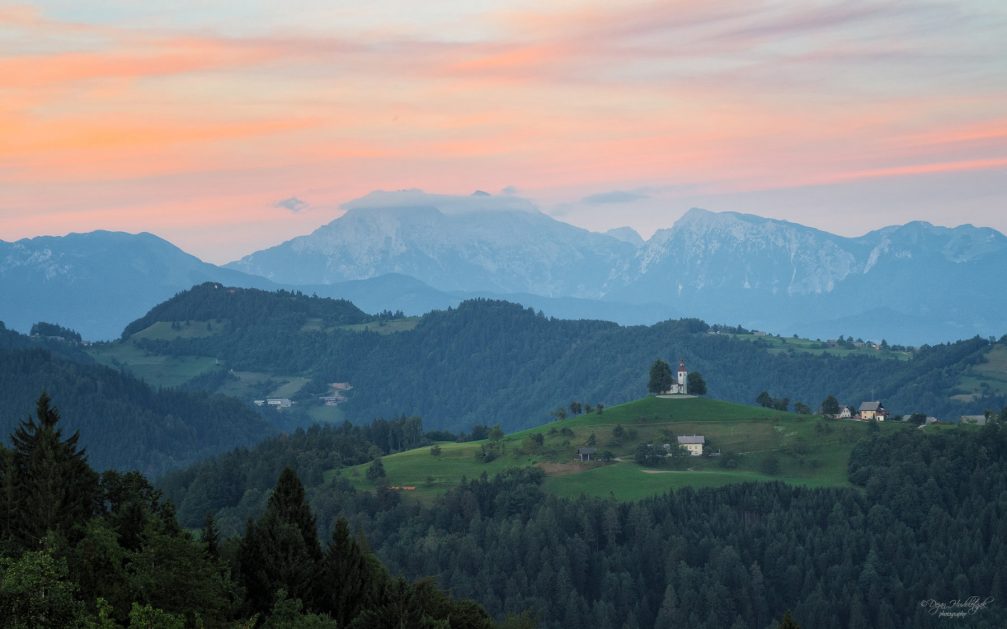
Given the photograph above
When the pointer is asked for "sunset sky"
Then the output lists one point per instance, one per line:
(226, 127)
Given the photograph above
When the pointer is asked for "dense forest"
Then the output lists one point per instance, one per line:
(496, 362)
(126, 424)
(921, 526)
(79, 549)
(244, 307)
(236, 486)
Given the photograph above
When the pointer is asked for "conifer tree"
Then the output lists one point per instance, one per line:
(282, 549)
(55, 489)
(347, 576)
(211, 537)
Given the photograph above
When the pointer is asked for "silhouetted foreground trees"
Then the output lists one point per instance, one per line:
(82, 550)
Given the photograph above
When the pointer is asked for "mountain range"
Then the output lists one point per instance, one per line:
(415, 252)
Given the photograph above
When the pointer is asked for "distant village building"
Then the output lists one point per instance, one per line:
(279, 402)
(586, 453)
(873, 410)
(693, 443)
(681, 385)
(259, 402)
(978, 420)
(845, 413)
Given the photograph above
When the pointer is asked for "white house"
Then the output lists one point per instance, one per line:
(279, 402)
(845, 413)
(873, 410)
(693, 443)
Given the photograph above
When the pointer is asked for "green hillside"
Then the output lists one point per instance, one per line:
(491, 361)
(754, 443)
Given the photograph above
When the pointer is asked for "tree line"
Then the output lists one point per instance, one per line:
(495, 362)
(83, 549)
(922, 523)
(126, 424)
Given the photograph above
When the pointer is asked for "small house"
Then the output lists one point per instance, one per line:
(873, 410)
(845, 413)
(693, 443)
(586, 453)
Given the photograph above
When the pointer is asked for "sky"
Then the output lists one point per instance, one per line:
(227, 127)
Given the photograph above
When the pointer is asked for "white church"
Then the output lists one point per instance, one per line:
(681, 385)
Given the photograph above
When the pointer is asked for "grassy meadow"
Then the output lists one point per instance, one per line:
(754, 443)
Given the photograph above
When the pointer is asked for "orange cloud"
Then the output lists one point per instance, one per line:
(97, 120)
(175, 56)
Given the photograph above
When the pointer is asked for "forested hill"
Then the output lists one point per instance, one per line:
(124, 423)
(922, 522)
(248, 306)
(492, 361)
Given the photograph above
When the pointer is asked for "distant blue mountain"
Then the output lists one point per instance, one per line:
(723, 267)
(409, 251)
(98, 282)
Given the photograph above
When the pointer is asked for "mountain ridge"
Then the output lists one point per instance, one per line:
(730, 267)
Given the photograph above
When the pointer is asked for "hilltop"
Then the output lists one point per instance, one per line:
(492, 362)
(753, 443)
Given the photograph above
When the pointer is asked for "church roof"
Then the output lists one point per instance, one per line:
(681, 365)
(692, 439)
(870, 406)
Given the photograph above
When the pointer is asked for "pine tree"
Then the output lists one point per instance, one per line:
(282, 550)
(346, 575)
(55, 489)
(211, 537)
(788, 622)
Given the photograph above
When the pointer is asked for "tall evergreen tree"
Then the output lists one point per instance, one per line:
(211, 537)
(348, 577)
(282, 550)
(54, 487)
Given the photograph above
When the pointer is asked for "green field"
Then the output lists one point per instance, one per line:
(782, 344)
(986, 378)
(807, 450)
(171, 330)
(383, 327)
(326, 414)
(156, 369)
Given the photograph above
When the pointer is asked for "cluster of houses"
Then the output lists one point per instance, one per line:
(334, 398)
(869, 411)
(875, 411)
